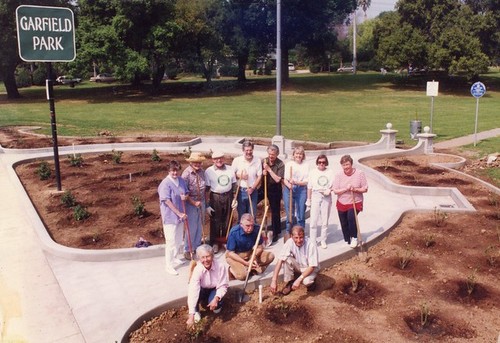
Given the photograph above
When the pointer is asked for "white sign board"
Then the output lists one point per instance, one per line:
(432, 88)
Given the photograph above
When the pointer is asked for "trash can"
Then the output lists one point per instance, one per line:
(415, 128)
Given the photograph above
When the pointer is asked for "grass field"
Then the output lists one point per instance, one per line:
(316, 107)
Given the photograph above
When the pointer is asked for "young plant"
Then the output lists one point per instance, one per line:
(440, 217)
(43, 171)
(424, 314)
(116, 156)
(195, 332)
(68, 199)
(80, 213)
(187, 152)
(405, 258)
(492, 254)
(155, 157)
(75, 160)
(138, 206)
(471, 282)
(354, 281)
(429, 240)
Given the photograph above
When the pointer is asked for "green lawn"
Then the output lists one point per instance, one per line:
(318, 107)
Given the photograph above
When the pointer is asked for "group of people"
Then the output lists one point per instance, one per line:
(222, 188)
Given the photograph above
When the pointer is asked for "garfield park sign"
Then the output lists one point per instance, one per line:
(45, 34)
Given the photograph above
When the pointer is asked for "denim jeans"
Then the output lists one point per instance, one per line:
(244, 202)
(195, 220)
(299, 197)
(206, 296)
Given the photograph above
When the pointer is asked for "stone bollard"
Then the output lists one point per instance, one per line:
(389, 136)
(427, 139)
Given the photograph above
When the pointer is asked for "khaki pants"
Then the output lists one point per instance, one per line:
(239, 271)
(291, 266)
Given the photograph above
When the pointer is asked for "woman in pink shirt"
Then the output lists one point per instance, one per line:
(349, 186)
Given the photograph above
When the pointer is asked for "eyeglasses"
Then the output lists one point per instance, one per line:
(321, 162)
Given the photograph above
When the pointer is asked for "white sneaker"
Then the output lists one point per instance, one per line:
(217, 310)
(177, 261)
(197, 317)
(323, 244)
(171, 270)
(354, 243)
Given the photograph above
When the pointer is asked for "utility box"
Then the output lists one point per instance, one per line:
(415, 128)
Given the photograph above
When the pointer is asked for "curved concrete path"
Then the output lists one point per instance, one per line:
(51, 293)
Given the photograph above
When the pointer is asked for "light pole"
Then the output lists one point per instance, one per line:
(278, 68)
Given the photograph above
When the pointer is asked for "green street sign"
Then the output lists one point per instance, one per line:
(45, 34)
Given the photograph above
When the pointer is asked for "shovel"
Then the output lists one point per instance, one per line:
(243, 297)
(362, 251)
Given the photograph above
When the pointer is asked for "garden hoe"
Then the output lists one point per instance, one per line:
(243, 297)
(192, 264)
(363, 253)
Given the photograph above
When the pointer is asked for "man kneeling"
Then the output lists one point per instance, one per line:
(298, 255)
(240, 243)
(208, 284)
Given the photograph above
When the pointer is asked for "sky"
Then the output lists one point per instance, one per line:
(378, 6)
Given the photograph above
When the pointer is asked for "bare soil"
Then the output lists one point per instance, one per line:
(448, 290)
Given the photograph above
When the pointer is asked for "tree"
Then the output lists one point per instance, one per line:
(9, 58)
(436, 34)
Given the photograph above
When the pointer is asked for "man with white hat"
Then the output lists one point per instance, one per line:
(220, 182)
(194, 176)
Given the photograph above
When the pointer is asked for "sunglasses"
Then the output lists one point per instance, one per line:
(321, 162)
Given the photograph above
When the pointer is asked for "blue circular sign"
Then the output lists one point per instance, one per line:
(478, 89)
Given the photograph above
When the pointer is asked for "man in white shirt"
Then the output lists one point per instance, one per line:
(248, 169)
(298, 255)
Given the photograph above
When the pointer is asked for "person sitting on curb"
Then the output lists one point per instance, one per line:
(240, 243)
(300, 255)
(208, 284)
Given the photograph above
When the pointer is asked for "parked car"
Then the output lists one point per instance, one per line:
(68, 80)
(104, 77)
(291, 67)
(345, 69)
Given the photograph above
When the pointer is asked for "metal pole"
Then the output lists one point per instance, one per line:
(432, 110)
(278, 68)
(50, 97)
(354, 54)
(475, 125)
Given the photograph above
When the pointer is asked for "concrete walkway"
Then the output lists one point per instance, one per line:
(50, 293)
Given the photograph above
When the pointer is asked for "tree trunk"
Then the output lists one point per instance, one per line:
(242, 63)
(9, 80)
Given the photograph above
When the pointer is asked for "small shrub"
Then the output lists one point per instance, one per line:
(68, 199)
(195, 331)
(75, 160)
(187, 152)
(493, 200)
(23, 78)
(138, 206)
(405, 258)
(354, 281)
(80, 213)
(492, 254)
(429, 240)
(116, 156)
(471, 282)
(155, 157)
(96, 237)
(440, 217)
(424, 314)
(43, 171)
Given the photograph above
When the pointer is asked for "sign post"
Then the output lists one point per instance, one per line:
(432, 91)
(46, 34)
(477, 90)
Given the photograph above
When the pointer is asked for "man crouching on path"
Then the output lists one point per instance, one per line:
(298, 254)
(240, 243)
(208, 284)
